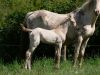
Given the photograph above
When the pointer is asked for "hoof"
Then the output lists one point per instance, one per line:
(27, 68)
(74, 66)
(57, 67)
(80, 66)
(65, 60)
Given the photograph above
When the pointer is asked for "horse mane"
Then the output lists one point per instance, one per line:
(88, 5)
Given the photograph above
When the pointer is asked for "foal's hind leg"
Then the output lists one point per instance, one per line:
(28, 58)
(34, 42)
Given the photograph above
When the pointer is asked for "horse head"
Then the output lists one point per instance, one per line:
(97, 6)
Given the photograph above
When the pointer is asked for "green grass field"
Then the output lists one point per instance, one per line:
(46, 67)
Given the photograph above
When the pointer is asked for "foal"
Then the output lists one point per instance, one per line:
(55, 36)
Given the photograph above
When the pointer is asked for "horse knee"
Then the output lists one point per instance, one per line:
(28, 54)
(76, 52)
(82, 53)
(58, 54)
(80, 39)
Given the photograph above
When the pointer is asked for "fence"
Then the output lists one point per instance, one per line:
(15, 43)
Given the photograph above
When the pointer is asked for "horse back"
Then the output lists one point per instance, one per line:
(44, 19)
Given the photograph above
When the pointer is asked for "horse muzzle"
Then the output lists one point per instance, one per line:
(97, 12)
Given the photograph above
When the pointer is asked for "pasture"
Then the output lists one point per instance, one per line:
(45, 66)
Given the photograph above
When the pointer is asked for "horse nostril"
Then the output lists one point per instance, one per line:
(97, 12)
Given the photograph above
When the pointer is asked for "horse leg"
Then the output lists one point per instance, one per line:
(28, 58)
(82, 50)
(57, 55)
(63, 52)
(77, 49)
(34, 42)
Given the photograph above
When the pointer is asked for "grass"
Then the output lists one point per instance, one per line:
(45, 67)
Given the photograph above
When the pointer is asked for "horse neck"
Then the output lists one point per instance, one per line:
(92, 16)
(93, 23)
(88, 10)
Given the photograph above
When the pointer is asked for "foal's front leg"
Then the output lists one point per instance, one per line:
(34, 42)
(58, 55)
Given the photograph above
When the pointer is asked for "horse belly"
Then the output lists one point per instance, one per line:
(50, 38)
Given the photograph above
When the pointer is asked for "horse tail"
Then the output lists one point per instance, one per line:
(25, 29)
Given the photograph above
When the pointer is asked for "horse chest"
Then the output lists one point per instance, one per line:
(61, 35)
(85, 31)
(88, 30)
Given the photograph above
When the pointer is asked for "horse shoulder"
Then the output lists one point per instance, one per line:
(88, 30)
(60, 33)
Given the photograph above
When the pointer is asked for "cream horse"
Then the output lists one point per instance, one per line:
(85, 18)
(55, 36)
